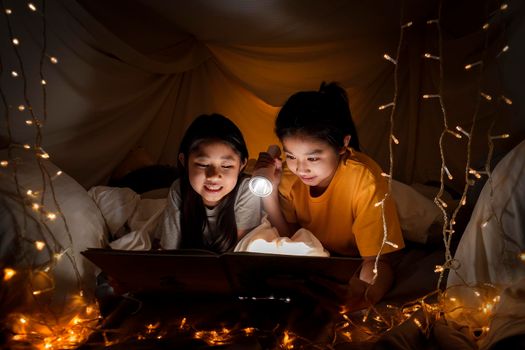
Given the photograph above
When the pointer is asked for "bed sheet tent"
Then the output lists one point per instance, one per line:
(87, 82)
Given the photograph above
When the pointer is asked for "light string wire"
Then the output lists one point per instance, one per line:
(24, 325)
(40, 155)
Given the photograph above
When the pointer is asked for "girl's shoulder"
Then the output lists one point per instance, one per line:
(174, 193)
(357, 162)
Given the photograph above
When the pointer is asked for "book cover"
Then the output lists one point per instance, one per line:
(201, 272)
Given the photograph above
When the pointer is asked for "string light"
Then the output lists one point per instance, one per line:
(449, 175)
(15, 41)
(506, 100)
(431, 96)
(31, 6)
(505, 49)
(4, 163)
(391, 104)
(427, 55)
(461, 130)
(39, 245)
(388, 58)
(486, 96)
(8, 273)
(472, 65)
(502, 136)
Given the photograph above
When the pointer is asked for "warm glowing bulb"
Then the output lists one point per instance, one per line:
(16, 41)
(14, 74)
(428, 55)
(439, 268)
(8, 11)
(471, 65)
(8, 274)
(31, 6)
(43, 82)
(39, 245)
(502, 136)
(51, 216)
(449, 175)
(486, 96)
(388, 58)
(44, 155)
(396, 141)
(23, 320)
(385, 106)
(21, 108)
(503, 7)
(29, 122)
(35, 206)
(460, 129)
(522, 257)
(26, 146)
(392, 244)
(53, 60)
(406, 25)
(486, 26)
(507, 100)
(430, 95)
(4, 163)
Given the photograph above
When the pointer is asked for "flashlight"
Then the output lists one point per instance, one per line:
(259, 184)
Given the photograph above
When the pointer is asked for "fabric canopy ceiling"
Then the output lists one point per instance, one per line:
(134, 73)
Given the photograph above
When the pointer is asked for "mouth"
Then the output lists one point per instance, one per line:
(307, 178)
(212, 188)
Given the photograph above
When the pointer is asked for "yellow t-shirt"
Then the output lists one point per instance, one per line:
(345, 218)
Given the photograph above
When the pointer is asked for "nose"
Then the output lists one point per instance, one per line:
(212, 172)
(300, 167)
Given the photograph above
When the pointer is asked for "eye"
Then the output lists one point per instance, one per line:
(289, 156)
(313, 159)
(201, 165)
(227, 166)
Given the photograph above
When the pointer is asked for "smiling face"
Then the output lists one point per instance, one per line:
(314, 161)
(213, 169)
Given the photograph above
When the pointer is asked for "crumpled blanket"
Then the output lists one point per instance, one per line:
(131, 220)
(265, 239)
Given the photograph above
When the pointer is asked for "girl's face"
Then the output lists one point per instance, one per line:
(314, 161)
(213, 169)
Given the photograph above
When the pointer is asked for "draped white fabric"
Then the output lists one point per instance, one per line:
(135, 73)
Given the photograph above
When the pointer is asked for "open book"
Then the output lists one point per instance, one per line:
(201, 272)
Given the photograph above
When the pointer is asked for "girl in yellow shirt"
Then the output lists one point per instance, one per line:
(332, 189)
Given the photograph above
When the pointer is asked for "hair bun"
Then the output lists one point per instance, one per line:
(334, 90)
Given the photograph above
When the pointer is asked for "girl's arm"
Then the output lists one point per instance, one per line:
(359, 293)
(270, 203)
(275, 216)
(362, 292)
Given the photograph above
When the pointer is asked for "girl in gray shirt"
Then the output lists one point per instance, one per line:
(210, 206)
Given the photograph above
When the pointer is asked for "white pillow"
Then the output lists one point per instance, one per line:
(21, 226)
(416, 212)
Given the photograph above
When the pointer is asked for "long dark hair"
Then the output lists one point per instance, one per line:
(323, 114)
(193, 219)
